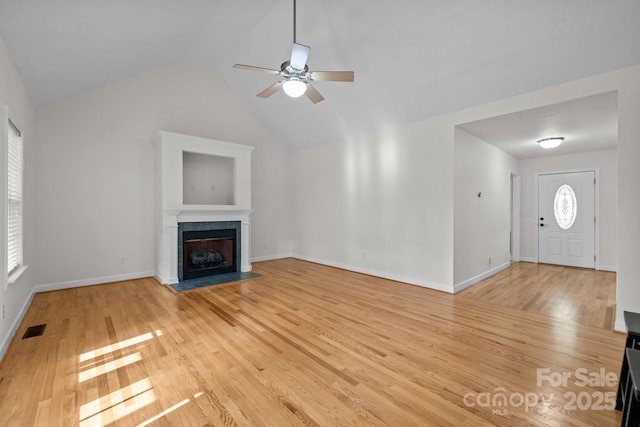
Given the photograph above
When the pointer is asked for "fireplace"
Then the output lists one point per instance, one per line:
(208, 248)
(207, 253)
(208, 183)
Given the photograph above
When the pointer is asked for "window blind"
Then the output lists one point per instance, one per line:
(14, 198)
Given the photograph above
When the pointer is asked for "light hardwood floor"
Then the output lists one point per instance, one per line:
(303, 344)
(579, 295)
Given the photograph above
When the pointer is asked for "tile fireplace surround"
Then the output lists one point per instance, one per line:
(170, 209)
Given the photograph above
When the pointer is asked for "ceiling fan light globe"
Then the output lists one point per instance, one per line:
(294, 88)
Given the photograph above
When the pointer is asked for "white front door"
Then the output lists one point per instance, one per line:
(566, 219)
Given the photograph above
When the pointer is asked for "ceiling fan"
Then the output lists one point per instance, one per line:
(297, 77)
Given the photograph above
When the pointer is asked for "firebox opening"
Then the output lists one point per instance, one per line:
(208, 252)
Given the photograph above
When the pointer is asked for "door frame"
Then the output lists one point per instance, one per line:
(596, 201)
(516, 200)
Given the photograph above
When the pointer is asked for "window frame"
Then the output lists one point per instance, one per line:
(11, 276)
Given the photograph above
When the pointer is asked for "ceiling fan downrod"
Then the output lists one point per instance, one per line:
(294, 21)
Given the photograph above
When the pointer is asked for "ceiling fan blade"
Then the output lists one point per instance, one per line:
(271, 89)
(313, 94)
(299, 56)
(332, 76)
(252, 68)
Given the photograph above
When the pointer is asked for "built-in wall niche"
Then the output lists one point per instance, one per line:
(196, 174)
(208, 179)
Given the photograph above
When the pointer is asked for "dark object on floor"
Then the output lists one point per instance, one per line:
(631, 397)
(34, 331)
(632, 323)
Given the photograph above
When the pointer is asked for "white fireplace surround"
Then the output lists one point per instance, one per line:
(170, 209)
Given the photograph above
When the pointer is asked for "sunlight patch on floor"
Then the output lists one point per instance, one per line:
(163, 413)
(119, 396)
(114, 347)
(109, 367)
(119, 410)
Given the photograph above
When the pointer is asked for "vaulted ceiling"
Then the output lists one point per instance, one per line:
(413, 59)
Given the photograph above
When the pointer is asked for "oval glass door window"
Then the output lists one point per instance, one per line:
(565, 207)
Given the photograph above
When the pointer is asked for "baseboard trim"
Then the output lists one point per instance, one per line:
(92, 281)
(165, 280)
(4, 345)
(376, 273)
(470, 282)
(612, 268)
(620, 326)
(271, 257)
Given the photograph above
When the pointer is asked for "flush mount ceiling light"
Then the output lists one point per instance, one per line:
(552, 142)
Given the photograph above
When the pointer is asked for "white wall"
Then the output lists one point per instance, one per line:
(628, 277)
(15, 297)
(482, 224)
(208, 180)
(381, 204)
(606, 162)
(96, 171)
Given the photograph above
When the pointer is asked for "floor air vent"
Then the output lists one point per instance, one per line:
(34, 331)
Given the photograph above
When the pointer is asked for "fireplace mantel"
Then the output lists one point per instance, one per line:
(171, 210)
(206, 214)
